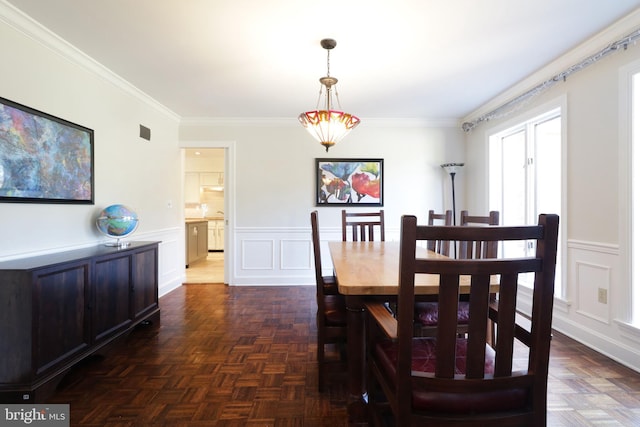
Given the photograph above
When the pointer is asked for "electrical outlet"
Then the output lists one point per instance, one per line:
(602, 295)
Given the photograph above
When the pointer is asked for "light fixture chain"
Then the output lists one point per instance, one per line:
(333, 88)
(328, 88)
(328, 63)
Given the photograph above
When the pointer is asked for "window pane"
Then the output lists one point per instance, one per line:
(529, 182)
(548, 173)
(513, 188)
(635, 200)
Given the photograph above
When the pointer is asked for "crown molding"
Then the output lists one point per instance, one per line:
(614, 32)
(293, 122)
(32, 29)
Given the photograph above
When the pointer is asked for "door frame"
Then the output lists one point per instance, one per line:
(229, 197)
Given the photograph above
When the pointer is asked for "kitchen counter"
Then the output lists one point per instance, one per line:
(208, 218)
(196, 234)
(214, 226)
(195, 220)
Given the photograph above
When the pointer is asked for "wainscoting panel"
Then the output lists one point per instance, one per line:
(592, 292)
(257, 254)
(591, 310)
(274, 256)
(296, 254)
(592, 272)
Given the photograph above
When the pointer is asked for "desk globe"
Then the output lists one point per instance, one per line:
(117, 222)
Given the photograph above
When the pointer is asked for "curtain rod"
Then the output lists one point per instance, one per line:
(508, 107)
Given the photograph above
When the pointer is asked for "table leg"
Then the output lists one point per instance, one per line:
(356, 362)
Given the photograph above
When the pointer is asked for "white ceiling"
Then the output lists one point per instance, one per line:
(426, 59)
(204, 153)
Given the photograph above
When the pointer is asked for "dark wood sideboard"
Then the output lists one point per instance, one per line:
(57, 309)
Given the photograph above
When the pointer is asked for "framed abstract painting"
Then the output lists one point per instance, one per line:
(44, 159)
(349, 182)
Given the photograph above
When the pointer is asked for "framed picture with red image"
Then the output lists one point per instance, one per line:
(349, 182)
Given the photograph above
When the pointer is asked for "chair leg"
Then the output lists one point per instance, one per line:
(378, 408)
(321, 362)
(321, 367)
(491, 333)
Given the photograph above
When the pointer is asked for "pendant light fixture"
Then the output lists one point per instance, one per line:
(328, 126)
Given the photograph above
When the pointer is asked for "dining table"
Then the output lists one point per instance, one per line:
(364, 271)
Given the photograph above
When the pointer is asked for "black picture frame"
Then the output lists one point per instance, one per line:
(343, 181)
(43, 158)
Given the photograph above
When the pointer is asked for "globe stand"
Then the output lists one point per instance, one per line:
(118, 244)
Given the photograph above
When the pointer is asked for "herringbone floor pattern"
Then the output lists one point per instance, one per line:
(245, 356)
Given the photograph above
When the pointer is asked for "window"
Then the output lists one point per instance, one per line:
(628, 309)
(635, 199)
(525, 177)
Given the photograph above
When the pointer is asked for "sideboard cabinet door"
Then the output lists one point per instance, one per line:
(145, 282)
(112, 289)
(61, 323)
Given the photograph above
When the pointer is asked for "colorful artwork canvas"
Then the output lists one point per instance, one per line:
(349, 182)
(43, 159)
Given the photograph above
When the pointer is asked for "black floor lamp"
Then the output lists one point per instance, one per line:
(452, 169)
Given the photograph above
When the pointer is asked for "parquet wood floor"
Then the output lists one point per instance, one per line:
(245, 356)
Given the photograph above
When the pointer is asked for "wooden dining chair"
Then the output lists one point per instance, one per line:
(448, 380)
(331, 318)
(439, 246)
(361, 226)
(427, 311)
(479, 249)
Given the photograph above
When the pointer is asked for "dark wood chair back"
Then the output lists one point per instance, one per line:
(448, 380)
(479, 249)
(331, 318)
(427, 311)
(440, 246)
(329, 283)
(361, 226)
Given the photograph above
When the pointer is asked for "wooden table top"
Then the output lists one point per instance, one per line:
(371, 268)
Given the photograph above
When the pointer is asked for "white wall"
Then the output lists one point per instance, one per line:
(271, 177)
(595, 252)
(42, 72)
(274, 187)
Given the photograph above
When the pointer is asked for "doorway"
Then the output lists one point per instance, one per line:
(206, 179)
